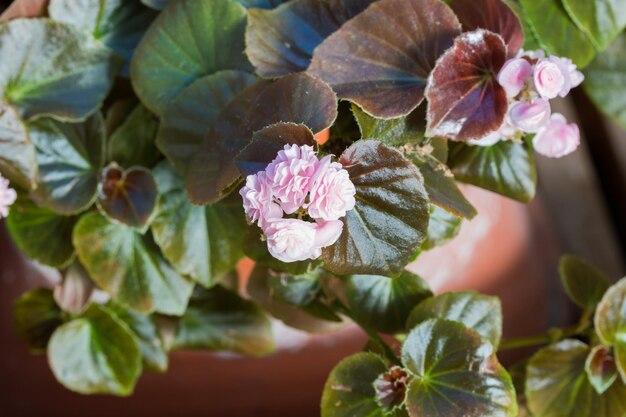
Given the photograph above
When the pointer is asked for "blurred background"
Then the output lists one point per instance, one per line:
(510, 250)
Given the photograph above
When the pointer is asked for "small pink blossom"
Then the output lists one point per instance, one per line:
(333, 192)
(513, 76)
(7, 197)
(292, 240)
(550, 81)
(291, 175)
(573, 77)
(258, 199)
(327, 233)
(558, 138)
(530, 117)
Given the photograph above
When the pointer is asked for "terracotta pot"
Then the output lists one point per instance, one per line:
(497, 253)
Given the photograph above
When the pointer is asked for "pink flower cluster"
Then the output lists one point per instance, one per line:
(297, 182)
(530, 81)
(7, 197)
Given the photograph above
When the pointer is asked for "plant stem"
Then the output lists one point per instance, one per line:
(552, 336)
(373, 334)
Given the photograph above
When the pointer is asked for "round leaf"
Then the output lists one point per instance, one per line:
(297, 98)
(70, 157)
(190, 116)
(132, 143)
(95, 353)
(481, 313)
(190, 39)
(610, 317)
(17, 154)
(455, 372)
(381, 58)
(601, 20)
(298, 290)
(493, 15)
(277, 41)
(557, 386)
(42, 234)
(507, 168)
(119, 24)
(349, 390)
(584, 283)
(36, 316)
(556, 32)
(202, 242)
(129, 266)
(465, 100)
(379, 235)
(54, 69)
(385, 303)
(128, 196)
(218, 319)
(601, 369)
(442, 227)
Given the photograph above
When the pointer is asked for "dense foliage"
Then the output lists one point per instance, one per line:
(127, 127)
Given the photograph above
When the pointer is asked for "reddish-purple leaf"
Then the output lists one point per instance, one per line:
(381, 58)
(465, 100)
(267, 142)
(281, 41)
(493, 15)
(298, 98)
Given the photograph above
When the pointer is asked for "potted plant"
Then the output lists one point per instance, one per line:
(147, 148)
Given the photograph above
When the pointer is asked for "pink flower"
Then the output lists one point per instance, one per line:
(529, 117)
(333, 193)
(513, 76)
(291, 174)
(549, 79)
(327, 233)
(258, 200)
(7, 197)
(573, 77)
(558, 138)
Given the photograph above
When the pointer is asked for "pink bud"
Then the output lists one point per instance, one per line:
(557, 138)
(328, 232)
(513, 75)
(573, 77)
(549, 79)
(530, 117)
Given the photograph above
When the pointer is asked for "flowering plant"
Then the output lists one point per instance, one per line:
(151, 145)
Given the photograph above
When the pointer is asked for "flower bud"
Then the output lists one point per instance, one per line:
(74, 292)
(549, 79)
(529, 117)
(557, 138)
(513, 76)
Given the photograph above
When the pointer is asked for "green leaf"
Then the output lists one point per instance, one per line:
(442, 227)
(189, 40)
(50, 68)
(95, 354)
(263, 4)
(557, 385)
(385, 303)
(133, 142)
(349, 390)
(610, 317)
(42, 234)
(128, 196)
(156, 4)
(506, 168)
(455, 372)
(601, 369)
(556, 32)
(36, 316)
(381, 58)
(297, 98)
(605, 81)
(119, 24)
(601, 20)
(17, 153)
(298, 290)
(218, 319)
(300, 318)
(70, 157)
(584, 283)
(392, 132)
(202, 242)
(279, 42)
(481, 313)
(129, 266)
(379, 235)
(146, 332)
(193, 112)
